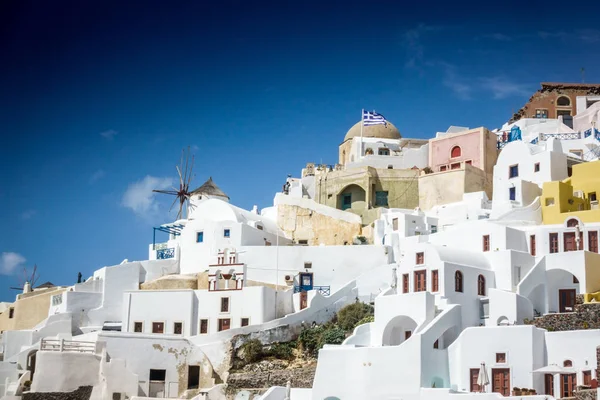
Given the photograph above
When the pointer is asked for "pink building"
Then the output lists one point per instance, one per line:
(476, 147)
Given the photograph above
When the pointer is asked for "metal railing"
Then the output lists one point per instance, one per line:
(323, 290)
(61, 345)
(560, 136)
(164, 254)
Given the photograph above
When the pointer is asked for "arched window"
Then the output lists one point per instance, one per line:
(563, 101)
(572, 223)
(481, 285)
(458, 281)
(455, 152)
(567, 363)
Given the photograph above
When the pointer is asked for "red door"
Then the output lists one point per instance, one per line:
(567, 384)
(566, 300)
(420, 281)
(549, 384)
(474, 376)
(405, 283)
(569, 241)
(224, 324)
(303, 300)
(501, 381)
(593, 241)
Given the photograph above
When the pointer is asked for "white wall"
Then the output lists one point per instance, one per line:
(64, 372)
(406, 158)
(523, 346)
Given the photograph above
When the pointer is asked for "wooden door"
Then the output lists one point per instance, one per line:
(593, 241)
(567, 384)
(587, 378)
(474, 373)
(420, 281)
(501, 381)
(549, 384)
(532, 244)
(405, 288)
(566, 300)
(303, 300)
(224, 324)
(407, 334)
(569, 241)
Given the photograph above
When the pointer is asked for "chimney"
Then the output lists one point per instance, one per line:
(255, 210)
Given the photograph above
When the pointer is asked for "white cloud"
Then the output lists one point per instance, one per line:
(454, 82)
(501, 37)
(590, 35)
(502, 88)
(28, 214)
(139, 196)
(9, 262)
(109, 134)
(412, 42)
(97, 175)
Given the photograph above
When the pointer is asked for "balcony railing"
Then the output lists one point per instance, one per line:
(323, 290)
(61, 345)
(164, 254)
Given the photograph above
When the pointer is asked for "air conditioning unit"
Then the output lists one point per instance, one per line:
(578, 193)
(594, 205)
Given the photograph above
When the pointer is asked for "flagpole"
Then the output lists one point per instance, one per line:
(362, 122)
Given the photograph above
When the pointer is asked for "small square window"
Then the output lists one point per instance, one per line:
(138, 327)
(469, 162)
(224, 304)
(433, 228)
(512, 193)
(199, 237)
(592, 196)
(11, 312)
(549, 201)
(178, 328)
(513, 171)
(443, 168)
(500, 358)
(203, 326)
(455, 166)
(383, 152)
(536, 167)
(307, 265)
(226, 233)
(158, 327)
(245, 321)
(381, 198)
(420, 258)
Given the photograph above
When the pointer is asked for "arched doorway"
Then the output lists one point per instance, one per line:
(399, 329)
(351, 197)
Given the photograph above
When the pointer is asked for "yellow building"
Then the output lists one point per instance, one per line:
(574, 197)
(30, 308)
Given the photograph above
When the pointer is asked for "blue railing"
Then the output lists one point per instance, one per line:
(164, 254)
(324, 290)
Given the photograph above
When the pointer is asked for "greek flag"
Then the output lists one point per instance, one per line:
(373, 118)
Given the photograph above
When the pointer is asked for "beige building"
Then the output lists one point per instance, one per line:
(377, 168)
(30, 308)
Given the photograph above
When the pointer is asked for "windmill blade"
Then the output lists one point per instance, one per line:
(170, 208)
(173, 192)
(190, 175)
(187, 159)
(33, 274)
(180, 177)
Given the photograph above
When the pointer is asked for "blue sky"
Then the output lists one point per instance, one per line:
(98, 100)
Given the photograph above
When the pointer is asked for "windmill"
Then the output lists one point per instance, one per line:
(185, 177)
(30, 280)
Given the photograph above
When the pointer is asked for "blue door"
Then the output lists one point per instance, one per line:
(306, 281)
(346, 201)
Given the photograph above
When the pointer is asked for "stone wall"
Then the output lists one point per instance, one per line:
(586, 394)
(586, 316)
(172, 282)
(300, 223)
(82, 393)
(299, 377)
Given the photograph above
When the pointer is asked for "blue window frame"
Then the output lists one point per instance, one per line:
(199, 237)
(513, 171)
(512, 193)
(381, 199)
(226, 233)
(346, 201)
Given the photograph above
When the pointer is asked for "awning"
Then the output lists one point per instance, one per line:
(555, 369)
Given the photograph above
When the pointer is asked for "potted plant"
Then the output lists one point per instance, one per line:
(516, 391)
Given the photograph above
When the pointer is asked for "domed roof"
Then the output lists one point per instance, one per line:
(209, 188)
(388, 131)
